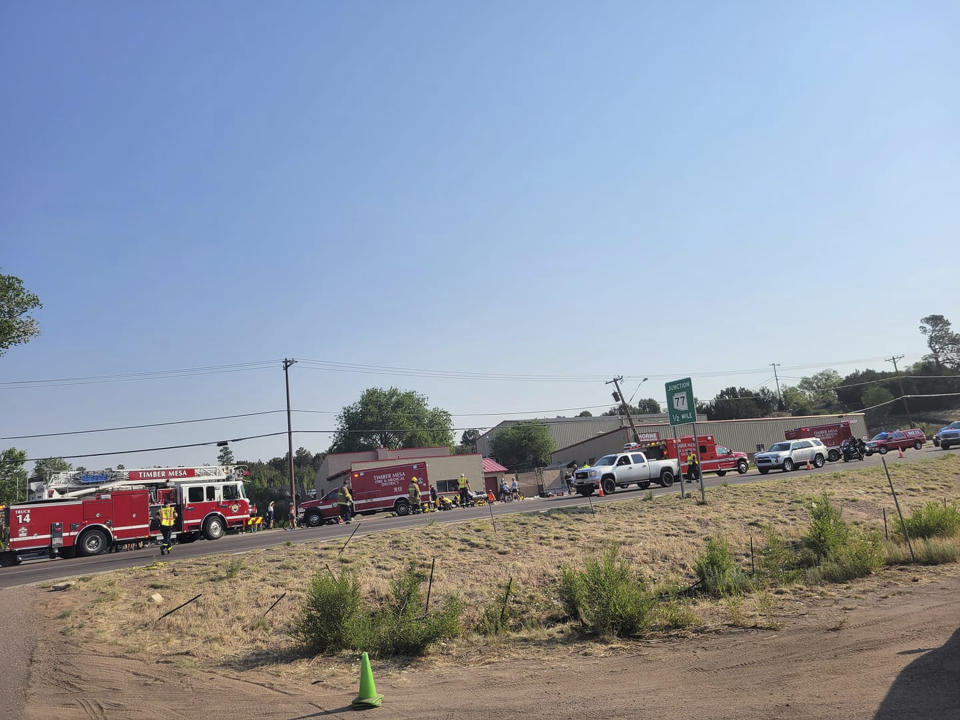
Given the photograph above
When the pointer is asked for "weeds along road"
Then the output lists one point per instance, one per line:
(47, 570)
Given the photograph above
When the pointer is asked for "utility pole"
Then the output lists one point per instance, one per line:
(618, 395)
(293, 486)
(779, 395)
(903, 396)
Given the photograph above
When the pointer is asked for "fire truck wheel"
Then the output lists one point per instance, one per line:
(666, 478)
(213, 529)
(403, 507)
(92, 542)
(742, 467)
(313, 519)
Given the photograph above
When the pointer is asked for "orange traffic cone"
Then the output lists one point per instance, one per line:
(600, 489)
(808, 464)
(900, 450)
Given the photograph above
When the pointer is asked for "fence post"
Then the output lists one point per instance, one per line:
(903, 523)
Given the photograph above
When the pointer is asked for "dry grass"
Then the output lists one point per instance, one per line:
(226, 627)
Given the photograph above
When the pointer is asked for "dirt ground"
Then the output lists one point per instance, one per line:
(883, 647)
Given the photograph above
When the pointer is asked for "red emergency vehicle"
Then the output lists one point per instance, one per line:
(373, 490)
(832, 435)
(713, 458)
(122, 509)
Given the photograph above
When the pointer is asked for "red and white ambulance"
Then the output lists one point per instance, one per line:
(832, 435)
(713, 458)
(374, 490)
(120, 508)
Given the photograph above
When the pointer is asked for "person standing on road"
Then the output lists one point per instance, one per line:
(269, 518)
(515, 488)
(693, 469)
(433, 495)
(464, 485)
(345, 503)
(168, 518)
(414, 494)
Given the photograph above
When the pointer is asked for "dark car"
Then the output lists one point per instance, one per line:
(948, 436)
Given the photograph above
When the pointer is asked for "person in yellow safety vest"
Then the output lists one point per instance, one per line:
(693, 470)
(464, 485)
(414, 493)
(345, 503)
(168, 518)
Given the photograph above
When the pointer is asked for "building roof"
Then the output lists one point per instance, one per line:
(492, 466)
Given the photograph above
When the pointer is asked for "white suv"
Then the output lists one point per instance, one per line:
(792, 454)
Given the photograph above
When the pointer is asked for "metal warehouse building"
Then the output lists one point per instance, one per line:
(745, 435)
(568, 431)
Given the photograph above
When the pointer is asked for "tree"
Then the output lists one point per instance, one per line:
(943, 342)
(585, 413)
(876, 396)
(469, 440)
(13, 478)
(16, 326)
(820, 389)
(797, 402)
(391, 419)
(225, 456)
(644, 406)
(522, 445)
(735, 403)
(44, 469)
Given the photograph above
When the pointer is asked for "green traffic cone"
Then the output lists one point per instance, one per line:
(368, 697)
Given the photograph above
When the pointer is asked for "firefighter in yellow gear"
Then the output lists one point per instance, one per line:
(693, 469)
(168, 518)
(345, 503)
(414, 493)
(464, 486)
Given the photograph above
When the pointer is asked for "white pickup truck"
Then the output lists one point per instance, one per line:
(621, 470)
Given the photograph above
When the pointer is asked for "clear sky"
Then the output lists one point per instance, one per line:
(535, 188)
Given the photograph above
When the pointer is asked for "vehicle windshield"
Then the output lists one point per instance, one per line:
(780, 447)
(878, 436)
(954, 425)
(606, 460)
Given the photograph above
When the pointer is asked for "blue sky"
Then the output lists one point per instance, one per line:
(576, 189)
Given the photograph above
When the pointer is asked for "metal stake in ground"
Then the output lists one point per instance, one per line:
(492, 519)
(171, 612)
(433, 564)
(753, 567)
(903, 523)
(886, 534)
(348, 540)
(506, 596)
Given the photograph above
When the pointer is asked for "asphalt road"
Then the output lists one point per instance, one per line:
(41, 571)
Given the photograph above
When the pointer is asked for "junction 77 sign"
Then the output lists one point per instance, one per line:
(680, 405)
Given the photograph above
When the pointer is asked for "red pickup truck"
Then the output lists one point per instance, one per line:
(896, 440)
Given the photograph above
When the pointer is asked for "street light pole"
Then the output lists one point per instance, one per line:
(293, 486)
(626, 409)
(777, 379)
(903, 396)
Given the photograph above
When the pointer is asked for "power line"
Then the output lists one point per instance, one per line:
(137, 376)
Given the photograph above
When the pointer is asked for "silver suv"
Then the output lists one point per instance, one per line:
(792, 454)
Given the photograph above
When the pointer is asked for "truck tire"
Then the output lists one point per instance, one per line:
(666, 477)
(918, 445)
(944, 446)
(93, 542)
(818, 461)
(788, 465)
(313, 518)
(609, 486)
(882, 450)
(833, 455)
(742, 467)
(213, 528)
(402, 507)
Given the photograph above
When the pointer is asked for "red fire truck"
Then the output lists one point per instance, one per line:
(373, 490)
(120, 507)
(832, 435)
(713, 458)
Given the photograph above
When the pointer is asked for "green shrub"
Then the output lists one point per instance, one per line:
(607, 597)
(828, 532)
(931, 520)
(333, 614)
(717, 571)
(928, 552)
(675, 614)
(861, 555)
(776, 561)
(335, 617)
(496, 616)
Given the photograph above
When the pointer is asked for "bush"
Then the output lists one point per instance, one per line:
(332, 616)
(335, 617)
(928, 552)
(607, 597)
(931, 520)
(717, 571)
(675, 614)
(861, 555)
(495, 619)
(776, 561)
(828, 532)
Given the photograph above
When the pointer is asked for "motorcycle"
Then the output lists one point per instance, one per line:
(853, 450)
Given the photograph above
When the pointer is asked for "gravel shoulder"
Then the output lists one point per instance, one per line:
(18, 628)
